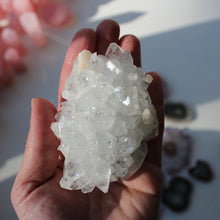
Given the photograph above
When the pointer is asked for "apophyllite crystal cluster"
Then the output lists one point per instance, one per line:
(104, 120)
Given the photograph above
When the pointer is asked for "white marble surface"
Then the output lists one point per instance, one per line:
(180, 40)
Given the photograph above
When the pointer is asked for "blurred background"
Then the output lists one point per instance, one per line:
(179, 39)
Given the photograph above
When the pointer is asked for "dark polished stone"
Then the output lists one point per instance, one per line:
(175, 110)
(176, 201)
(201, 171)
(177, 195)
(181, 185)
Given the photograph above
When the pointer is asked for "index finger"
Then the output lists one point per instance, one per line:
(84, 39)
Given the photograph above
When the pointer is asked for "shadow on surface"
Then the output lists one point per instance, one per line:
(188, 59)
(87, 9)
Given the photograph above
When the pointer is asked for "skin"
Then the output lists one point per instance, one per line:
(36, 193)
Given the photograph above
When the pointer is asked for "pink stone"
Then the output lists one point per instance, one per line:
(11, 38)
(6, 76)
(55, 15)
(2, 13)
(13, 58)
(14, 22)
(12, 55)
(2, 47)
(32, 27)
(22, 17)
(21, 6)
(38, 3)
(5, 5)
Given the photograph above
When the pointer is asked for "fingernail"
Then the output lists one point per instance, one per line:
(32, 102)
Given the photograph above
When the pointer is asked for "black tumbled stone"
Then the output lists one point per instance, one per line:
(177, 195)
(181, 185)
(176, 201)
(175, 110)
(201, 171)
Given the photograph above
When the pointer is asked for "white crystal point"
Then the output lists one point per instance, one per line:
(106, 116)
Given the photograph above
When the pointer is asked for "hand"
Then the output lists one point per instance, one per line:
(36, 193)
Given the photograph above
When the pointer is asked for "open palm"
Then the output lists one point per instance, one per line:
(36, 193)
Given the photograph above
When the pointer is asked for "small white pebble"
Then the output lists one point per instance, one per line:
(84, 57)
(147, 117)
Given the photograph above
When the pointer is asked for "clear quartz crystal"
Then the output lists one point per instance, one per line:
(106, 116)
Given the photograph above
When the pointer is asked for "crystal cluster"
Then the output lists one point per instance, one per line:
(104, 120)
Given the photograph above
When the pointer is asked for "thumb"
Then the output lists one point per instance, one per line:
(40, 156)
